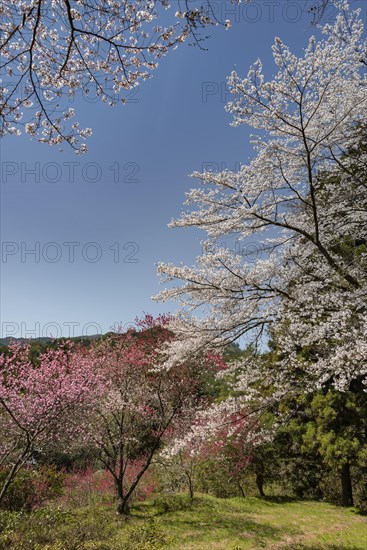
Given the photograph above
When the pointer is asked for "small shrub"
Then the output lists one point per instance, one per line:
(214, 478)
(56, 529)
(32, 488)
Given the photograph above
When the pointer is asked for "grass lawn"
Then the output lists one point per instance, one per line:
(174, 523)
(239, 523)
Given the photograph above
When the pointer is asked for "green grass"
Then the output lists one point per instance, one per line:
(238, 523)
(173, 522)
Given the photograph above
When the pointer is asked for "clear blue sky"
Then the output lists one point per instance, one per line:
(157, 139)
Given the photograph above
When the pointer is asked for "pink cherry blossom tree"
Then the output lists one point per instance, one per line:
(42, 402)
(143, 404)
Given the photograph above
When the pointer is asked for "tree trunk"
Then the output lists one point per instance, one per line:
(13, 473)
(347, 492)
(122, 500)
(191, 489)
(260, 484)
(190, 484)
(241, 489)
(123, 508)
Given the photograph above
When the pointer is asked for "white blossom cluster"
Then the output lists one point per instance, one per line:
(53, 49)
(214, 425)
(303, 198)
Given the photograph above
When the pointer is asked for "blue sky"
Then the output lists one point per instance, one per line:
(117, 230)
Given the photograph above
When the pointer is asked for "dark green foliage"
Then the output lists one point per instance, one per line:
(324, 442)
(215, 479)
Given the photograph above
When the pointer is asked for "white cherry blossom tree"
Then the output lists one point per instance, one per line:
(303, 198)
(52, 50)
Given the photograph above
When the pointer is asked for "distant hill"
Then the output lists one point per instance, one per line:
(43, 339)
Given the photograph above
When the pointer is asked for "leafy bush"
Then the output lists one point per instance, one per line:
(59, 529)
(56, 529)
(32, 487)
(214, 478)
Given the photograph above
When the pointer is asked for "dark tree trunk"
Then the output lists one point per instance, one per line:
(241, 489)
(123, 507)
(260, 484)
(124, 497)
(122, 500)
(191, 488)
(347, 492)
(11, 476)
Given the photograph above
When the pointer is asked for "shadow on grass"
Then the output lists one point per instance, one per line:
(212, 521)
(204, 521)
(280, 499)
(225, 527)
